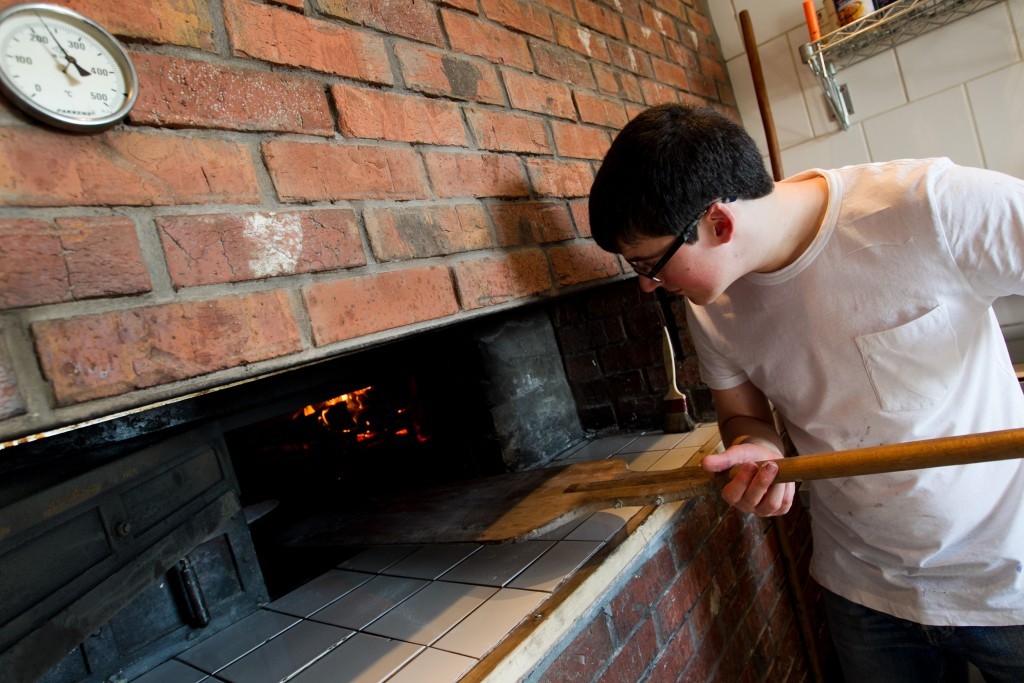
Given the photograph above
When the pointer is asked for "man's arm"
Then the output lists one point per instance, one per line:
(747, 428)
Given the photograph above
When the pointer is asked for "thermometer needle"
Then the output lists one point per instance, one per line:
(71, 60)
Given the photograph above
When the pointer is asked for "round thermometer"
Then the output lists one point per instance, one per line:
(64, 69)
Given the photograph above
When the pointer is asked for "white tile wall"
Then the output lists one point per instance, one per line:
(957, 91)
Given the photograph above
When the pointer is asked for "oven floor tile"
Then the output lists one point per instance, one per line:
(426, 616)
(286, 654)
(642, 460)
(655, 442)
(369, 602)
(173, 672)
(378, 558)
(675, 458)
(555, 565)
(430, 561)
(602, 525)
(236, 640)
(433, 666)
(480, 631)
(360, 659)
(496, 565)
(320, 592)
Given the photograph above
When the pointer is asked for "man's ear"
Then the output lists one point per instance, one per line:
(722, 222)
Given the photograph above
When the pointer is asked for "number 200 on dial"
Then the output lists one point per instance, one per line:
(63, 69)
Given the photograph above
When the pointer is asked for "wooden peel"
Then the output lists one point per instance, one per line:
(525, 505)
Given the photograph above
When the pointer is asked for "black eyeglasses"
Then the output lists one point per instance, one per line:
(681, 239)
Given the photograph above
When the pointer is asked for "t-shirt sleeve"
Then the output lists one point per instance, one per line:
(716, 370)
(981, 213)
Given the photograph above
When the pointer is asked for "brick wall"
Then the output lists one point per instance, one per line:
(611, 342)
(301, 178)
(711, 603)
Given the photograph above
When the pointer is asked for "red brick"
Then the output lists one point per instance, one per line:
(644, 37)
(628, 8)
(539, 95)
(673, 658)
(11, 402)
(416, 20)
(214, 248)
(682, 594)
(33, 271)
(700, 23)
(476, 175)
(442, 73)
(311, 171)
(578, 262)
(503, 131)
(713, 68)
(563, 64)
(178, 93)
(630, 89)
(670, 74)
(633, 604)
(494, 280)
(364, 113)
(632, 660)
(284, 37)
(520, 16)
(673, 7)
(600, 18)
(606, 80)
(581, 214)
(113, 353)
(560, 6)
(424, 231)
(102, 256)
(46, 168)
(552, 178)
(584, 657)
(660, 22)
(580, 39)
(604, 111)
(583, 142)
(657, 93)
(682, 56)
(474, 36)
(357, 306)
(629, 58)
(184, 22)
(519, 223)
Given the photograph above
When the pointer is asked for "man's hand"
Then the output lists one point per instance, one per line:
(751, 490)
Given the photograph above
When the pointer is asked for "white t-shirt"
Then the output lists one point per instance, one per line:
(882, 332)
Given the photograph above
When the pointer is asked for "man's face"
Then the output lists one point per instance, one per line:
(692, 271)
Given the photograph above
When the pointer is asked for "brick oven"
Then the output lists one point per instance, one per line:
(311, 198)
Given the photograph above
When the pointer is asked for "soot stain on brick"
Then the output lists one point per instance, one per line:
(463, 77)
(419, 232)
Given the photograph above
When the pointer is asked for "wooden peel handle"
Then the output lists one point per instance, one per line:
(914, 455)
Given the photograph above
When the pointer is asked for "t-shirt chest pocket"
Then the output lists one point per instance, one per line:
(914, 365)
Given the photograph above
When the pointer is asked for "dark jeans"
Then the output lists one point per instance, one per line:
(875, 647)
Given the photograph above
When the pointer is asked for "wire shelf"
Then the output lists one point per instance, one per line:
(875, 33)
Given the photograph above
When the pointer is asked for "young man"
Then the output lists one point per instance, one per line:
(857, 301)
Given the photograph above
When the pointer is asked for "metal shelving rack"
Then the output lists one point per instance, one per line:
(877, 32)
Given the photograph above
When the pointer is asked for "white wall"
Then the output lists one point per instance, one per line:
(957, 91)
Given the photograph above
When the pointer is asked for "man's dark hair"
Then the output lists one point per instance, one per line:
(665, 167)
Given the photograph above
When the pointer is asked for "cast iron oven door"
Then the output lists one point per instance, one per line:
(73, 555)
